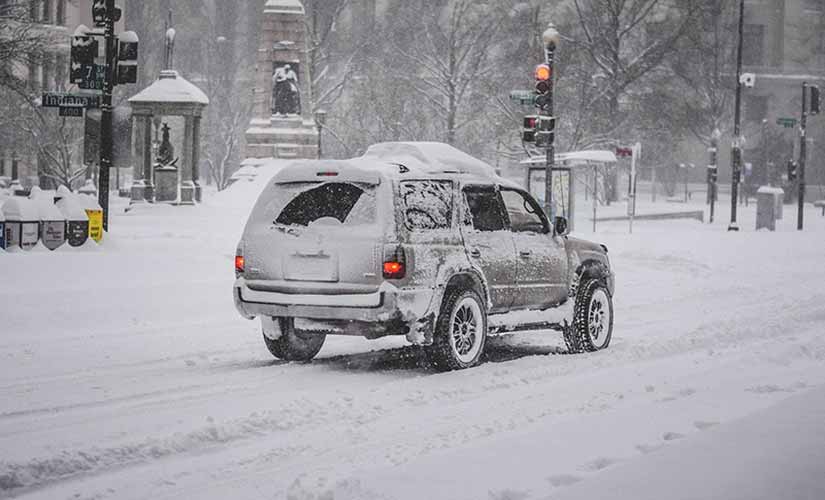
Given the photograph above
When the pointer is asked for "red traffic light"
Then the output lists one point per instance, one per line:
(531, 121)
(543, 73)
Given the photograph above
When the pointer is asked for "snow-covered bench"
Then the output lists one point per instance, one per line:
(820, 204)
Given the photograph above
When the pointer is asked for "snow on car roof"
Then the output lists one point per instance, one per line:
(391, 160)
(429, 158)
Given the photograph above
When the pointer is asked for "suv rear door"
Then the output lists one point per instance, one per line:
(489, 243)
(322, 236)
(541, 270)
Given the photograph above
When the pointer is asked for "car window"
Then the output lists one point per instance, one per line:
(524, 212)
(331, 203)
(427, 205)
(485, 209)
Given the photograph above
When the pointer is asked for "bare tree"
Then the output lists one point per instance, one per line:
(452, 52)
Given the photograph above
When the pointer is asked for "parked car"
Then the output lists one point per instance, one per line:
(414, 239)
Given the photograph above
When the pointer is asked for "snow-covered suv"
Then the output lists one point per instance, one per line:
(415, 239)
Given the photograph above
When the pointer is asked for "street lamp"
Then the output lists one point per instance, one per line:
(736, 152)
(320, 120)
(551, 39)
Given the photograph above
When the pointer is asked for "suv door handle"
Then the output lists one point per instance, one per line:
(525, 253)
(475, 252)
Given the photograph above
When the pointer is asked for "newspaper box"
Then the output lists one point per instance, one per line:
(95, 213)
(77, 222)
(52, 221)
(22, 223)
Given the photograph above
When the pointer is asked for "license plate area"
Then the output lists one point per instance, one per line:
(311, 267)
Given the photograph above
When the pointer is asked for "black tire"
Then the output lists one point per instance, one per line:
(460, 309)
(294, 345)
(592, 326)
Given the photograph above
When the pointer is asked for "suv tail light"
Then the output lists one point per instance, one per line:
(395, 263)
(239, 264)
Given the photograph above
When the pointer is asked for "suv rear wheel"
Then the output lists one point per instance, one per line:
(460, 332)
(294, 345)
(592, 326)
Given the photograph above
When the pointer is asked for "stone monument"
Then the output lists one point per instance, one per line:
(170, 95)
(282, 125)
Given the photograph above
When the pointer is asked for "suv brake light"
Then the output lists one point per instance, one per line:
(239, 264)
(395, 263)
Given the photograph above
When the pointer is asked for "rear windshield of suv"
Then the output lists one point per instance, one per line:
(426, 205)
(331, 203)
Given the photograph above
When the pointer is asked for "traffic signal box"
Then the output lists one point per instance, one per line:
(814, 104)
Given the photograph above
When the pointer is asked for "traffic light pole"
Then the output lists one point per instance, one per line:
(106, 113)
(736, 156)
(550, 150)
(803, 150)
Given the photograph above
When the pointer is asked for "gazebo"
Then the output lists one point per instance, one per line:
(176, 182)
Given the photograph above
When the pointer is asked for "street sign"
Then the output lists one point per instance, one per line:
(72, 110)
(523, 96)
(93, 77)
(58, 99)
(786, 122)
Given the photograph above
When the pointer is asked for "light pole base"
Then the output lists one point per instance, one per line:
(733, 227)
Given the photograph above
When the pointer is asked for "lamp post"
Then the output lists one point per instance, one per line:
(551, 39)
(320, 120)
(736, 151)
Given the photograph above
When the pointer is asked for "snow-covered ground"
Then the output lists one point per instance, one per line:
(126, 373)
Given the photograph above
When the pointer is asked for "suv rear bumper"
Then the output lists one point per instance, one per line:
(388, 304)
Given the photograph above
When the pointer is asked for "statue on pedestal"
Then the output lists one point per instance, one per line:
(286, 96)
(166, 151)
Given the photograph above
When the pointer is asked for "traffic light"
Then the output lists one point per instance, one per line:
(100, 15)
(791, 170)
(712, 161)
(528, 131)
(99, 12)
(83, 53)
(544, 85)
(814, 100)
(127, 54)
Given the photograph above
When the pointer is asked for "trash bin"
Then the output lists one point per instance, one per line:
(52, 220)
(767, 200)
(22, 224)
(780, 203)
(77, 221)
(95, 213)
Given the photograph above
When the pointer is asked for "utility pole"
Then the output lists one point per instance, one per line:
(713, 170)
(736, 152)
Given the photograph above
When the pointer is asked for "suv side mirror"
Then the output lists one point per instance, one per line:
(560, 226)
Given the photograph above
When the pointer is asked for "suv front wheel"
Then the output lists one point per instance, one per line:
(461, 331)
(592, 326)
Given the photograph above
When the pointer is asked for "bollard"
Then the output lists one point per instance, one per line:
(2, 231)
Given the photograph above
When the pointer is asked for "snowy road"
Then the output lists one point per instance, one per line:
(126, 373)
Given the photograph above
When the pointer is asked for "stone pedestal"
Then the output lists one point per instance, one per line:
(287, 137)
(166, 179)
